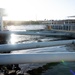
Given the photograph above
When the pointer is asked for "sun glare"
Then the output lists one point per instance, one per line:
(13, 39)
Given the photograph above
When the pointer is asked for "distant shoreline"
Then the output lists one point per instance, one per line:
(22, 23)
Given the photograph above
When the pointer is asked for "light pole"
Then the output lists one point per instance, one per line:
(2, 13)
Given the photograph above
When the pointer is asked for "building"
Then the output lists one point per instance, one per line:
(68, 24)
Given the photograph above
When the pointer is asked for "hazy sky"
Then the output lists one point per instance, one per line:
(38, 9)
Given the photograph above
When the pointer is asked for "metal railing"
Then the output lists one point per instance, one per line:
(13, 47)
(35, 58)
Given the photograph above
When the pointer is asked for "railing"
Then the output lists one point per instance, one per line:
(34, 33)
(35, 58)
(13, 47)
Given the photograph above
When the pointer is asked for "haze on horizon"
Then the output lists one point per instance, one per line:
(38, 9)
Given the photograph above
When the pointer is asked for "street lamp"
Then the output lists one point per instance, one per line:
(2, 13)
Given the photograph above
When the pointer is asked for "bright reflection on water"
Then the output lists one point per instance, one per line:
(25, 27)
(22, 38)
(13, 39)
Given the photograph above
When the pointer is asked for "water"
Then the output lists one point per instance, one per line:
(61, 68)
(25, 27)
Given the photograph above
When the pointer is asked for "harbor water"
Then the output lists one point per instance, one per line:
(61, 68)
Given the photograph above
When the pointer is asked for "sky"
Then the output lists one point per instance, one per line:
(37, 9)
